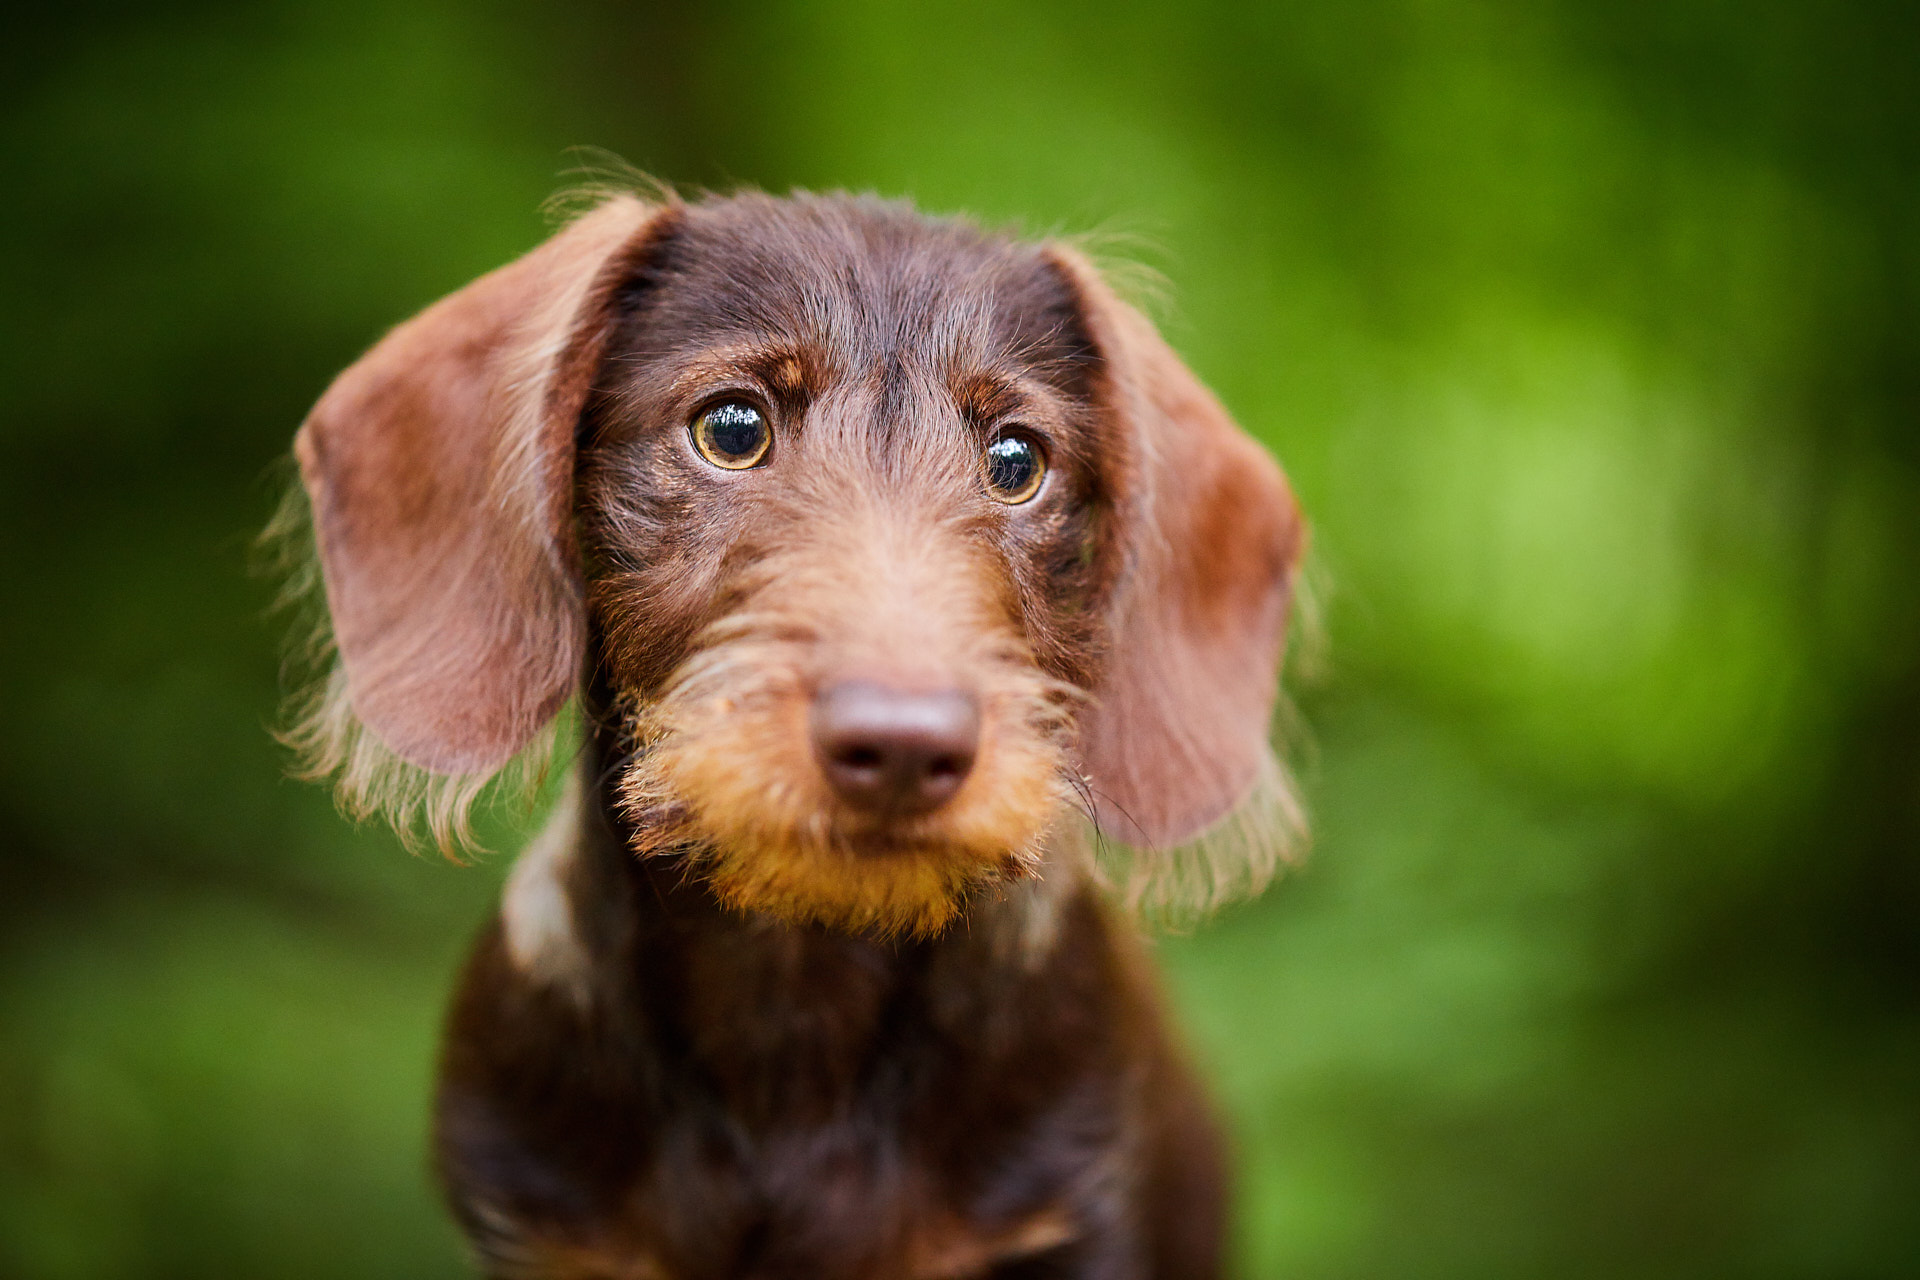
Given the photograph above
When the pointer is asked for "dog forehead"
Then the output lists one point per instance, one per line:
(856, 278)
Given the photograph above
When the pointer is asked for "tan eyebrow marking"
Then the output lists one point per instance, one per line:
(787, 375)
(983, 397)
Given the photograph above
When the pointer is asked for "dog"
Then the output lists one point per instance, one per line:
(922, 614)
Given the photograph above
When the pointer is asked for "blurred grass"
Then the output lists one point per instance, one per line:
(1588, 334)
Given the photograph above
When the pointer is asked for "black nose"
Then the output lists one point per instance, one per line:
(891, 751)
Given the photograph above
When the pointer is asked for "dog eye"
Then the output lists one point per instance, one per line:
(1015, 467)
(732, 434)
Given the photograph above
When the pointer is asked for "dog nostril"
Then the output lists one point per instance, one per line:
(859, 758)
(892, 751)
(944, 776)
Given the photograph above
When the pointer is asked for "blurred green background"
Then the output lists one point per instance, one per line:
(1590, 335)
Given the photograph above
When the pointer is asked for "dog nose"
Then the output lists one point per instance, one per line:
(895, 752)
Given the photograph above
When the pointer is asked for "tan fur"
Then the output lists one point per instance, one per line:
(955, 1251)
(726, 773)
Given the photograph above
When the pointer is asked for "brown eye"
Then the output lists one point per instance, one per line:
(1015, 467)
(732, 434)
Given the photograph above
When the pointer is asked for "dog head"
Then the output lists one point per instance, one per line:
(894, 540)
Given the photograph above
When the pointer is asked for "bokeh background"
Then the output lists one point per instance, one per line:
(1590, 334)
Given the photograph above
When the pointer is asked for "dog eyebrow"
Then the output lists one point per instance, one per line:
(789, 372)
(984, 397)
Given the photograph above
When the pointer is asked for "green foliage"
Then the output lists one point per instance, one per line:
(1588, 334)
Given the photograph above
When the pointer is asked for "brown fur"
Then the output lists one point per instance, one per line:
(730, 1024)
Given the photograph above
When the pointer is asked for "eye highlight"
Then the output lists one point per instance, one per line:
(732, 435)
(1015, 466)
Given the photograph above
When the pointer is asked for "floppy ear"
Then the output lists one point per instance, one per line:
(440, 468)
(1177, 735)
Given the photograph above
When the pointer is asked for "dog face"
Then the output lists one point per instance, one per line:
(893, 539)
(841, 500)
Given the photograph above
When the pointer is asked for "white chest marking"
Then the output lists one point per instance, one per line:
(536, 912)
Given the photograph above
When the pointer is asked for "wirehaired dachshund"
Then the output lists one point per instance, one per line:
(921, 615)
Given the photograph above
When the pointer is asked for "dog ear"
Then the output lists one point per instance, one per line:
(1210, 535)
(439, 468)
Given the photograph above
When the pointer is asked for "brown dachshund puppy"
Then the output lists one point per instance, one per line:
(896, 568)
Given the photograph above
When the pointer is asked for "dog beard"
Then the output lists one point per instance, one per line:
(724, 775)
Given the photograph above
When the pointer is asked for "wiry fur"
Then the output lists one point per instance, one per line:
(721, 776)
(1231, 861)
(1234, 858)
(332, 745)
(740, 1017)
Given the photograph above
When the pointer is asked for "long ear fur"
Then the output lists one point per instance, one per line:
(439, 471)
(1176, 746)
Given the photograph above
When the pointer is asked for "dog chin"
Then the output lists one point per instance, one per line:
(910, 879)
(897, 891)
(731, 786)
(852, 873)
